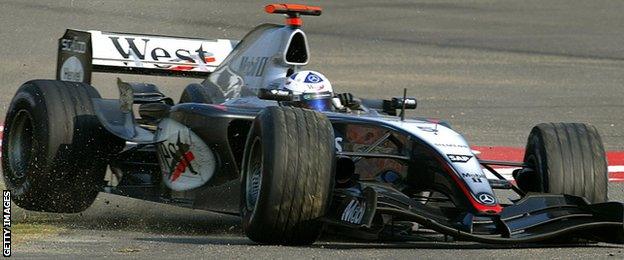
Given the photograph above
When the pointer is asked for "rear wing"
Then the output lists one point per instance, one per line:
(81, 53)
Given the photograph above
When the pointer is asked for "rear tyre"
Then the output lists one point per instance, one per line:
(287, 176)
(198, 93)
(55, 151)
(565, 158)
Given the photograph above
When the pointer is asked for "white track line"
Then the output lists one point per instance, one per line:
(616, 168)
(507, 171)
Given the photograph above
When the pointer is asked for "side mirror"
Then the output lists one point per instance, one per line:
(397, 102)
(391, 106)
(275, 94)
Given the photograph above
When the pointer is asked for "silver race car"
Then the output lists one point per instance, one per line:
(262, 138)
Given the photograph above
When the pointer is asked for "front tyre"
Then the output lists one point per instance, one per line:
(565, 158)
(287, 176)
(55, 151)
(198, 93)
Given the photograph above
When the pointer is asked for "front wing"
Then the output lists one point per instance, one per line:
(534, 218)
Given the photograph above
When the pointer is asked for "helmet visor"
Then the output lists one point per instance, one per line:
(321, 101)
(318, 104)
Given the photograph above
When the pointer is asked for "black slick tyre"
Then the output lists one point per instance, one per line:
(565, 158)
(55, 152)
(198, 93)
(287, 176)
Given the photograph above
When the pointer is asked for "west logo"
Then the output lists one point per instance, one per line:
(198, 56)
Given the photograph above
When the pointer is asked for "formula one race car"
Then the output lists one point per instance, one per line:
(262, 138)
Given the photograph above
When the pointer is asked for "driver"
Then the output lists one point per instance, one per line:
(311, 89)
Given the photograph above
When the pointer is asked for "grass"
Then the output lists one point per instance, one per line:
(22, 232)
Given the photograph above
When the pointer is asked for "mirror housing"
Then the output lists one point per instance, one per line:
(390, 106)
(410, 102)
(275, 94)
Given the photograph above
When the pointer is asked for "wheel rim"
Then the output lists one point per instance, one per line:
(253, 182)
(20, 144)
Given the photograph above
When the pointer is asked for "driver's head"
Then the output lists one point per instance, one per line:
(313, 89)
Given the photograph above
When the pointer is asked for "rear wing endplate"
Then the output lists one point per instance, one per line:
(81, 53)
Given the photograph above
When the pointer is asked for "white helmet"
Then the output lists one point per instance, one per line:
(313, 89)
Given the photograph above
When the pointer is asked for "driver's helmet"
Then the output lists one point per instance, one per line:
(310, 90)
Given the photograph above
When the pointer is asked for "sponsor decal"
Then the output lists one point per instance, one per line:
(196, 58)
(338, 145)
(312, 78)
(452, 145)
(185, 160)
(74, 57)
(476, 177)
(177, 158)
(229, 83)
(73, 45)
(354, 212)
(6, 223)
(252, 66)
(428, 129)
(315, 86)
(459, 158)
(72, 70)
(486, 199)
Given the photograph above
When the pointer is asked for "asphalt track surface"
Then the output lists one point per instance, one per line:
(492, 68)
